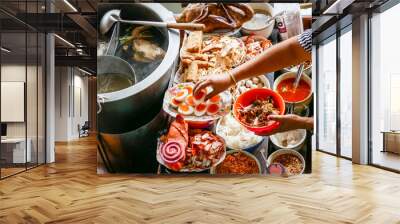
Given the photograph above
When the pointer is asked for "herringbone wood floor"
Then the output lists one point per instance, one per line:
(69, 191)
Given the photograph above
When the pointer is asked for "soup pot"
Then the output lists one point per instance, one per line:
(130, 108)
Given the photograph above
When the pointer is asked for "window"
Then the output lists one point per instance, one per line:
(22, 75)
(385, 89)
(346, 92)
(327, 96)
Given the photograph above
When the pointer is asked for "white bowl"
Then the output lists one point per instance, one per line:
(249, 148)
(286, 151)
(288, 75)
(263, 8)
(274, 139)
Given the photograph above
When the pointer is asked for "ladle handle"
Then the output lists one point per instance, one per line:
(187, 26)
(298, 76)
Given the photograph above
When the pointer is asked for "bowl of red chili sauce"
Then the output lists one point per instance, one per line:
(238, 162)
(284, 85)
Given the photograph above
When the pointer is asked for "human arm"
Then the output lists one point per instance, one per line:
(284, 54)
(292, 122)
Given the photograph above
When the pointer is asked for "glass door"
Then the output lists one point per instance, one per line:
(385, 90)
(22, 77)
(13, 103)
(326, 96)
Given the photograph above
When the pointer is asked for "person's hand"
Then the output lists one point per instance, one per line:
(218, 83)
(291, 122)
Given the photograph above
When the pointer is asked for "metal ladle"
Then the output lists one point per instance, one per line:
(296, 84)
(113, 16)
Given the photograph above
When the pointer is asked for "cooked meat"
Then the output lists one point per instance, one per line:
(146, 50)
(216, 16)
(178, 131)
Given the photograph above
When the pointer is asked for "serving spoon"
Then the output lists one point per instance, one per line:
(298, 76)
(296, 84)
(113, 16)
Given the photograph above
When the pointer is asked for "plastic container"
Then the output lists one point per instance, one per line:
(249, 97)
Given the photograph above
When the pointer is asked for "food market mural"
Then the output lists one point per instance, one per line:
(171, 99)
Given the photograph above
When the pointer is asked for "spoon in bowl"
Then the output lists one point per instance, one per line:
(298, 76)
(296, 84)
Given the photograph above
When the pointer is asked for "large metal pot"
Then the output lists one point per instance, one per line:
(128, 109)
(134, 151)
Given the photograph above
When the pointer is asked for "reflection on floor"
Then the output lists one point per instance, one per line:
(70, 191)
(387, 159)
(11, 169)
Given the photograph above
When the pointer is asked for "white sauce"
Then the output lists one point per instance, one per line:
(258, 21)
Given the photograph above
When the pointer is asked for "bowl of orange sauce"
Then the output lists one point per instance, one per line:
(284, 85)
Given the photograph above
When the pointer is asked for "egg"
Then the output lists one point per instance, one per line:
(189, 88)
(200, 109)
(214, 100)
(190, 101)
(212, 109)
(174, 103)
(185, 109)
(181, 95)
(199, 97)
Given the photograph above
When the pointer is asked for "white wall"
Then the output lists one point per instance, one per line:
(71, 93)
(33, 126)
(12, 73)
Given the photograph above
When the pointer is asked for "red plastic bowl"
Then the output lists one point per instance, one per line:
(249, 97)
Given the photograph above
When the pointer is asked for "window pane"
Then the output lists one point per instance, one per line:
(327, 96)
(346, 94)
(14, 153)
(385, 84)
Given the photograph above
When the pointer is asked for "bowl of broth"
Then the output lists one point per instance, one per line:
(114, 74)
(301, 95)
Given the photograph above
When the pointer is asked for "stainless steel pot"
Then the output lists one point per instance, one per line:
(134, 151)
(128, 109)
(110, 65)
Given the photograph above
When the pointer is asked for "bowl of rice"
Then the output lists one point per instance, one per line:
(290, 139)
(236, 136)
